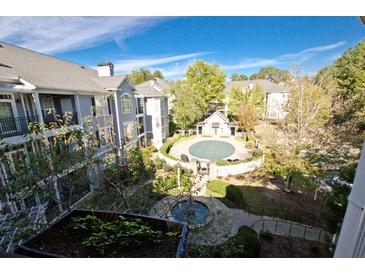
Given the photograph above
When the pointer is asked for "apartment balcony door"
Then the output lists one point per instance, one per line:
(7, 115)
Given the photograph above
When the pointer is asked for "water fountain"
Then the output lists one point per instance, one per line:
(190, 211)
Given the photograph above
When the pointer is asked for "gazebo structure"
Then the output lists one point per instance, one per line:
(217, 125)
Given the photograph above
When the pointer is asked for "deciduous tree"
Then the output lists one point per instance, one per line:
(271, 73)
(207, 81)
(188, 106)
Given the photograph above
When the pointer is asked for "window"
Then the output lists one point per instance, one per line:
(126, 103)
(101, 105)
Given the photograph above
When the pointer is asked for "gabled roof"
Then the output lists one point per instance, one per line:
(267, 85)
(218, 113)
(110, 82)
(153, 88)
(48, 72)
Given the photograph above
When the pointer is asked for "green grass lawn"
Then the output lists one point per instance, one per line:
(229, 194)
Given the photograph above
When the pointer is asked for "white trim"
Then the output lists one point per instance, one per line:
(118, 120)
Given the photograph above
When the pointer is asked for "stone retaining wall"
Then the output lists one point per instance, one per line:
(239, 168)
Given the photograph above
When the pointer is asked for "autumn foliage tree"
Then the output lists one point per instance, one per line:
(246, 117)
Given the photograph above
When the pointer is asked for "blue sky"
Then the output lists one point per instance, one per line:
(237, 44)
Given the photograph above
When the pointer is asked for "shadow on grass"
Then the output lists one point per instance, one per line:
(294, 206)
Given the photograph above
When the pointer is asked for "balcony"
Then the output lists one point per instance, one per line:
(56, 120)
(56, 110)
(14, 126)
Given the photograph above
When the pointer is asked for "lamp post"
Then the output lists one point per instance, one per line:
(178, 177)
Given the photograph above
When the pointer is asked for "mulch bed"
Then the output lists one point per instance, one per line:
(275, 246)
(67, 242)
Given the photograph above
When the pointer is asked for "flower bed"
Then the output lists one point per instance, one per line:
(84, 233)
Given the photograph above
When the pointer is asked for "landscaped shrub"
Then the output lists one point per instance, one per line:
(244, 244)
(250, 145)
(234, 194)
(348, 172)
(257, 153)
(165, 149)
(168, 184)
(228, 191)
(222, 162)
(160, 163)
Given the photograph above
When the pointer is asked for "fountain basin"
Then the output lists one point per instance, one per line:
(192, 212)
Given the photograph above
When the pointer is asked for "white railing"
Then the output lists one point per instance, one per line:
(236, 169)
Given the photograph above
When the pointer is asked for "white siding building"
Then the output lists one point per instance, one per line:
(276, 96)
(157, 110)
(216, 124)
(32, 83)
(351, 243)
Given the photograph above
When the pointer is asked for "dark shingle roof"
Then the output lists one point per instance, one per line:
(45, 71)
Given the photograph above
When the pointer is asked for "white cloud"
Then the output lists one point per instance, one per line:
(177, 69)
(250, 63)
(149, 62)
(57, 34)
(293, 58)
(307, 53)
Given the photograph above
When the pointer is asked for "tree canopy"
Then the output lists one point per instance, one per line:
(188, 106)
(207, 81)
(309, 108)
(347, 78)
(271, 73)
(142, 75)
(238, 77)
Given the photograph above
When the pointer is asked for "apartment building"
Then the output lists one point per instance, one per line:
(36, 87)
(155, 95)
(276, 96)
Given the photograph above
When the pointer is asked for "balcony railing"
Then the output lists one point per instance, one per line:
(14, 126)
(60, 119)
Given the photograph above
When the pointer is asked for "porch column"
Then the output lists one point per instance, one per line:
(117, 131)
(38, 107)
(78, 109)
(23, 105)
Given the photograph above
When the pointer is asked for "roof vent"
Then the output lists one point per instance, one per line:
(4, 66)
